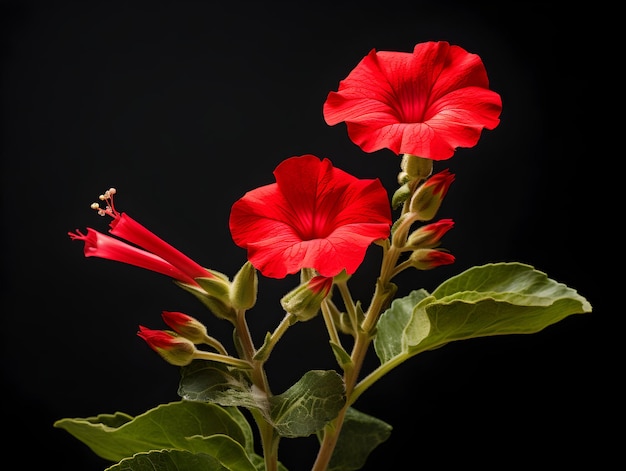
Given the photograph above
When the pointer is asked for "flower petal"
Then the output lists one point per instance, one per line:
(314, 216)
(427, 103)
(104, 246)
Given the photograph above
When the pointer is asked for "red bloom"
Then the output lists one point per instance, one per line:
(426, 103)
(158, 255)
(314, 216)
(104, 246)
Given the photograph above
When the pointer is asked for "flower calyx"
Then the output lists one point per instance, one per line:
(175, 349)
(428, 197)
(185, 326)
(428, 236)
(305, 300)
(243, 292)
(416, 168)
(426, 259)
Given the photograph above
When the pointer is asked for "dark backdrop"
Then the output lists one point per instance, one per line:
(184, 106)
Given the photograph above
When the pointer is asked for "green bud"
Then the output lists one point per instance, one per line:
(216, 286)
(223, 310)
(426, 259)
(243, 292)
(427, 199)
(185, 326)
(430, 235)
(400, 195)
(174, 349)
(304, 301)
(415, 167)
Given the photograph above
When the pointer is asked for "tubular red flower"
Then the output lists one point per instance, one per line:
(315, 216)
(426, 103)
(104, 246)
(157, 255)
(125, 227)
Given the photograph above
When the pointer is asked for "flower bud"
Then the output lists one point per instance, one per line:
(243, 292)
(425, 259)
(429, 236)
(217, 286)
(428, 197)
(304, 301)
(185, 326)
(176, 350)
(416, 167)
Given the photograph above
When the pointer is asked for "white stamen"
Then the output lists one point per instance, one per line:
(107, 196)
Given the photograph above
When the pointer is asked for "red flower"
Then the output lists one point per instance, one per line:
(426, 103)
(104, 246)
(158, 255)
(314, 216)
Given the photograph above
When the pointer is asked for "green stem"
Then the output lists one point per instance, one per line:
(348, 304)
(269, 437)
(364, 337)
(264, 352)
(202, 355)
(362, 342)
(330, 325)
(269, 440)
(333, 430)
(374, 376)
(216, 344)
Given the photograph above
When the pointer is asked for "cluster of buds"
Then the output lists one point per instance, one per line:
(422, 194)
(178, 346)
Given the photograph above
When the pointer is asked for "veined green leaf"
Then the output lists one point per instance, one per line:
(210, 381)
(169, 460)
(493, 299)
(167, 426)
(308, 405)
(360, 435)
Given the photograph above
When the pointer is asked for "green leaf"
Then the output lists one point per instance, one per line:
(245, 427)
(166, 426)
(391, 325)
(343, 358)
(170, 460)
(360, 435)
(493, 299)
(209, 381)
(308, 405)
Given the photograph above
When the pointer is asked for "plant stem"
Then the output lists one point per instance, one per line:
(269, 437)
(362, 342)
(201, 355)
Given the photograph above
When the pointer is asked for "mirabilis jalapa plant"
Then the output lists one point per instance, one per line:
(318, 221)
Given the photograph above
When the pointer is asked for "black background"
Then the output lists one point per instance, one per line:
(184, 106)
